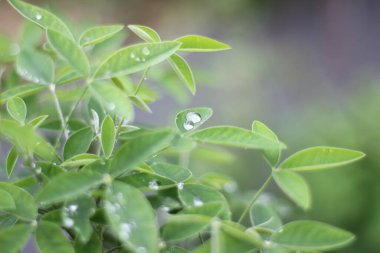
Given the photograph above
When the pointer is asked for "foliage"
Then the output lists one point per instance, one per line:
(93, 181)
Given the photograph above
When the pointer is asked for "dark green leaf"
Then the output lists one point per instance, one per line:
(6, 201)
(13, 239)
(50, 238)
(78, 142)
(94, 245)
(12, 158)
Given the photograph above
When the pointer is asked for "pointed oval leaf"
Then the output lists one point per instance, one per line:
(235, 137)
(311, 235)
(182, 69)
(145, 33)
(196, 43)
(139, 149)
(13, 239)
(137, 101)
(21, 91)
(318, 158)
(50, 238)
(69, 51)
(25, 208)
(94, 245)
(108, 136)
(271, 155)
(294, 186)
(174, 249)
(172, 171)
(41, 17)
(114, 100)
(192, 118)
(6, 201)
(135, 58)
(80, 160)
(211, 209)
(16, 108)
(264, 217)
(78, 142)
(181, 227)
(29, 63)
(36, 122)
(12, 158)
(67, 186)
(131, 218)
(98, 34)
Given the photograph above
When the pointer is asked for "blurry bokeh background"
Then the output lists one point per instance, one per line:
(308, 69)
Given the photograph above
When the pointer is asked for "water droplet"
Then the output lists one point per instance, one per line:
(33, 165)
(111, 106)
(145, 51)
(188, 125)
(165, 208)
(125, 230)
(142, 250)
(197, 202)
(180, 185)
(38, 16)
(145, 78)
(68, 222)
(38, 170)
(193, 117)
(73, 208)
(154, 185)
(133, 55)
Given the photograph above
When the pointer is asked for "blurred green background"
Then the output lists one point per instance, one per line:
(308, 69)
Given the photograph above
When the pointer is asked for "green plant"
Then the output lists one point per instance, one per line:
(95, 182)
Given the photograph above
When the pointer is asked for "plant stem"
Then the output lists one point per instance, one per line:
(141, 81)
(57, 105)
(257, 195)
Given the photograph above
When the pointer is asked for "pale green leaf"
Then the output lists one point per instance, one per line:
(192, 118)
(131, 218)
(311, 235)
(235, 137)
(41, 17)
(318, 158)
(211, 209)
(174, 249)
(263, 216)
(196, 43)
(78, 142)
(181, 227)
(172, 171)
(98, 34)
(13, 239)
(139, 149)
(16, 108)
(6, 201)
(12, 158)
(50, 238)
(146, 181)
(108, 136)
(28, 64)
(294, 186)
(21, 91)
(113, 100)
(36, 122)
(25, 208)
(145, 33)
(80, 160)
(135, 58)
(140, 103)
(182, 69)
(67, 186)
(69, 51)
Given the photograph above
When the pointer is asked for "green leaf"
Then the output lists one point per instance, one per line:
(7, 221)
(195, 195)
(131, 218)
(311, 235)
(98, 34)
(36, 122)
(135, 58)
(196, 43)
(69, 51)
(50, 238)
(68, 186)
(29, 63)
(80, 160)
(227, 238)
(16, 108)
(108, 136)
(146, 181)
(12, 158)
(172, 171)
(138, 150)
(271, 155)
(192, 118)
(181, 227)
(211, 209)
(78, 142)
(294, 186)
(235, 137)
(94, 245)
(13, 239)
(114, 100)
(41, 17)
(264, 217)
(21, 91)
(174, 249)
(182, 69)
(318, 158)
(140, 103)
(25, 208)
(145, 33)
(6, 201)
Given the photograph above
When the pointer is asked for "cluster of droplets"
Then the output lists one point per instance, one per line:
(67, 214)
(192, 118)
(154, 184)
(180, 185)
(38, 16)
(197, 202)
(145, 52)
(27, 76)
